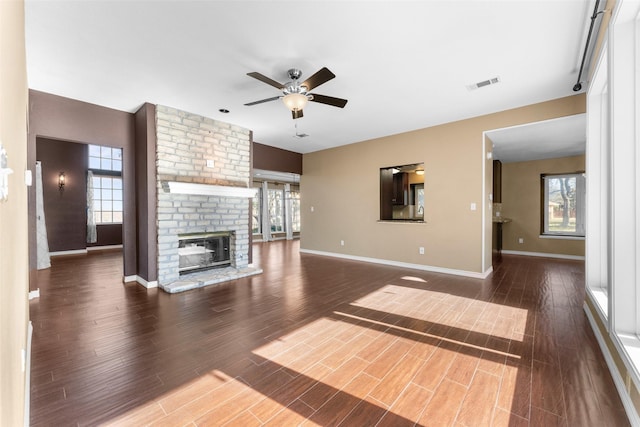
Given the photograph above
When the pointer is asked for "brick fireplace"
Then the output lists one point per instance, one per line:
(203, 186)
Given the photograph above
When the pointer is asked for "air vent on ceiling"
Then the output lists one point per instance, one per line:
(484, 83)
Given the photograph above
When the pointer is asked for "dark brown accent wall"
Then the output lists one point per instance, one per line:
(145, 152)
(55, 117)
(65, 211)
(108, 235)
(275, 159)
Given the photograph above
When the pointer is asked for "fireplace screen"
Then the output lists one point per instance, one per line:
(199, 252)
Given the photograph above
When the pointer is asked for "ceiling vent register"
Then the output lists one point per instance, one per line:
(484, 83)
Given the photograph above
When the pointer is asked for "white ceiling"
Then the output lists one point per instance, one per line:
(403, 65)
(561, 137)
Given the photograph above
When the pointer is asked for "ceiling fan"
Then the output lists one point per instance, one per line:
(295, 95)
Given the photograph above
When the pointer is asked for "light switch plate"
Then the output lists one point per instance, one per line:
(473, 206)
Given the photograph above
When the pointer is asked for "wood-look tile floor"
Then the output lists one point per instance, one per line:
(319, 341)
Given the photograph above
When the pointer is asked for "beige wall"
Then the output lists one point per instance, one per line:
(521, 203)
(14, 267)
(343, 186)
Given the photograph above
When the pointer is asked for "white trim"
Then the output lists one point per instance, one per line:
(430, 268)
(600, 298)
(139, 280)
(27, 377)
(73, 252)
(148, 285)
(34, 294)
(209, 190)
(560, 237)
(101, 248)
(484, 197)
(544, 255)
(629, 407)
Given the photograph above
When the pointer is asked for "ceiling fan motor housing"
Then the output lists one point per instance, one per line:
(294, 73)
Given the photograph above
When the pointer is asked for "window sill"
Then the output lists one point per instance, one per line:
(601, 300)
(403, 221)
(560, 237)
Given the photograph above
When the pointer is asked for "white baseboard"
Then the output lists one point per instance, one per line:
(140, 281)
(542, 254)
(629, 407)
(34, 294)
(74, 252)
(422, 267)
(85, 250)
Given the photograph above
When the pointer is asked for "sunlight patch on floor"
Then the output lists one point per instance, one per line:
(439, 308)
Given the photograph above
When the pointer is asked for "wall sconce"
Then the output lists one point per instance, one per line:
(61, 182)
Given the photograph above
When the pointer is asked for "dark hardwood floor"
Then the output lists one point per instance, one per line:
(319, 341)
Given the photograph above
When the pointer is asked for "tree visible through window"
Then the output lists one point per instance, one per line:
(295, 210)
(276, 210)
(256, 226)
(563, 204)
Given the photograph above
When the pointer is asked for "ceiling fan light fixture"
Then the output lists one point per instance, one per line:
(295, 101)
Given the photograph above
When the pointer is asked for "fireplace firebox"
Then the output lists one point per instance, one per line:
(203, 251)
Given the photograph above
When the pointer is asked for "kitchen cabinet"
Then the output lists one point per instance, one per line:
(497, 243)
(400, 194)
(386, 194)
(497, 181)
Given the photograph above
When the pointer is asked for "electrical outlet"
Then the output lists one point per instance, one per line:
(520, 240)
(421, 250)
(210, 163)
(311, 208)
(341, 242)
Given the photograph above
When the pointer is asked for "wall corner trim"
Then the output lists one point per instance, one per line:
(625, 397)
(139, 280)
(422, 267)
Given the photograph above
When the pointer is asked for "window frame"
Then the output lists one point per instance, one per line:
(294, 195)
(275, 215)
(257, 204)
(110, 157)
(579, 205)
(111, 199)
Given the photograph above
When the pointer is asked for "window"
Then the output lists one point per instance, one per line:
(105, 158)
(276, 210)
(295, 210)
(106, 165)
(563, 204)
(256, 222)
(107, 199)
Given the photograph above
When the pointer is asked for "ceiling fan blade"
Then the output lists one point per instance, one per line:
(262, 100)
(321, 76)
(329, 100)
(296, 114)
(265, 79)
